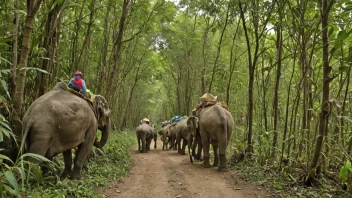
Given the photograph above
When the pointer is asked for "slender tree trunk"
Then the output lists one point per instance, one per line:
(204, 52)
(49, 44)
(219, 48)
(233, 60)
(12, 78)
(32, 8)
(117, 50)
(325, 105)
(101, 69)
(277, 83)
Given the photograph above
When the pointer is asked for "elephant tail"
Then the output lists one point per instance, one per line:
(24, 141)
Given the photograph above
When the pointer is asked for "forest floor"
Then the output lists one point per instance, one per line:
(165, 173)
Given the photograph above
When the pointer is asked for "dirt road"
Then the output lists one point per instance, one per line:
(167, 174)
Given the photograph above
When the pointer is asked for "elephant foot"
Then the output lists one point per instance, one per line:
(222, 169)
(64, 175)
(216, 164)
(206, 162)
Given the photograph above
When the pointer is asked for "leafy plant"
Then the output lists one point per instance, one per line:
(346, 173)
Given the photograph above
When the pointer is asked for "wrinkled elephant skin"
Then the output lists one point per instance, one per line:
(215, 127)
(59, 121)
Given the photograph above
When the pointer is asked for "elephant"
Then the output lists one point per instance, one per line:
(59, 121)
(172, 136)
(181, 134)
(164, 135)
(215, 127)
(145, 134)
(193, 133)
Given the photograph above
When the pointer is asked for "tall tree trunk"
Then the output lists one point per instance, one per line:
(32, 8)
(277, 83)
(101, 69)
(233, 60)
(49, 44)
(117, 50)
(219, 48)
(204, 52)
(325, 105)
(12, 79)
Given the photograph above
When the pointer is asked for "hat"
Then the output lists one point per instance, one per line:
(78, 73)
(145, 120)
(209, 98)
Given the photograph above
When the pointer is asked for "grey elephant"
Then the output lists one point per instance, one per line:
(215, 127)
(164, 135)
(145, 134)
(172, 136)
(59, 121)
(194, 139)
(181, 130)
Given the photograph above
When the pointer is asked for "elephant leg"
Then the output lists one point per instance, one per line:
(199, 149)
(178, 143)
(144, 146)
(82, 153)
(184, 143)
(155, 139)
(216, 154)
(206, 145)
(139, 143)
(222, 153)
(68, 164)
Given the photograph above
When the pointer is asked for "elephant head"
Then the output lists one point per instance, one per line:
(103, 117)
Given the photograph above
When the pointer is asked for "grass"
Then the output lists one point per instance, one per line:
(111, 163)
(288, 182)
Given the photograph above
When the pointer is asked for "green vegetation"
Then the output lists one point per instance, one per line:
(111, 163)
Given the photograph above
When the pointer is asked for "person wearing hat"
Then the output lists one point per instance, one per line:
(145, 120)
(77, 83)
(206, 100)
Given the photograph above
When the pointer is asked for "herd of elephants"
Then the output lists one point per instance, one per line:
(61, 120)
(211, 123)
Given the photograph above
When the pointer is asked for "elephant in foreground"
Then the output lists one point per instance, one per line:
(194, 139)
(59, 121)
(145, 134)
(215, 127)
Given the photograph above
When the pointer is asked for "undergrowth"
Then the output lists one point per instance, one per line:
(111, 163)
(287, 182)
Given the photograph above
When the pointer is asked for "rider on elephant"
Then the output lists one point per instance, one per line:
(207, 100)
(77, 83)
(145, 120)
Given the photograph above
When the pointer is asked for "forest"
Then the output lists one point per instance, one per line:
(283, 67)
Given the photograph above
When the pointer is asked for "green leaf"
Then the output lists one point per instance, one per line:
(331, 31)
(12, 180)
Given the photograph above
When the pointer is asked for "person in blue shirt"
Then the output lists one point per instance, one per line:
(77, 83)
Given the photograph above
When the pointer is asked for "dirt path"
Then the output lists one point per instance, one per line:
(166, 174)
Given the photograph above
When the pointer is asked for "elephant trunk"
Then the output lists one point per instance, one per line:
(190, 142)
(105, 131)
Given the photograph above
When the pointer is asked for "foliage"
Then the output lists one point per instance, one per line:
(111, 163)
(346, 173)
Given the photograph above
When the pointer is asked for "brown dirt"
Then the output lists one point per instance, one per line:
(161, 173)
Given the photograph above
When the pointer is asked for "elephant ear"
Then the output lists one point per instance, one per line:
(101, 108)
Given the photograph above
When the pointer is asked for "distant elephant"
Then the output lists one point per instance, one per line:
(172, 136)
(193, 134)
(215, 127)
(181, 134)
(59, 121)
(145, 134)
(164, 136)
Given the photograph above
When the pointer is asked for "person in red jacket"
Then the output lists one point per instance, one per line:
(77, 83)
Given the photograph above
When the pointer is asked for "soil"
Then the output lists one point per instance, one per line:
(165, 173)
